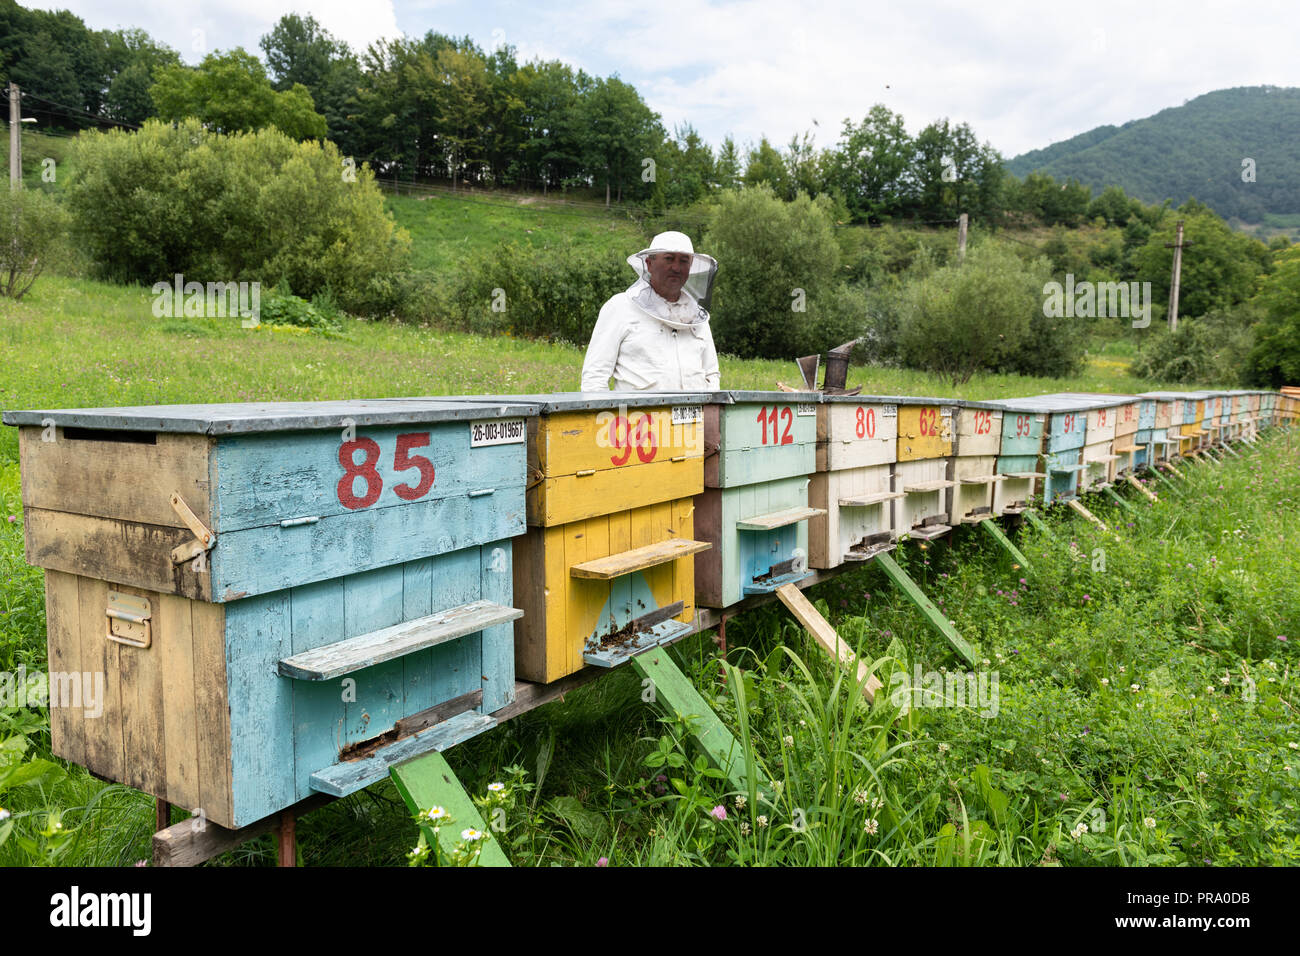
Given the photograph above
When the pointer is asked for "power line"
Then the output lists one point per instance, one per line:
(72, 111)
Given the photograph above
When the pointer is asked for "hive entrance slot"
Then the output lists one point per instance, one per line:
(73, 433)
(639, 634)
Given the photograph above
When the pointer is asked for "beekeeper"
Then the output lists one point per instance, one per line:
(655, 336)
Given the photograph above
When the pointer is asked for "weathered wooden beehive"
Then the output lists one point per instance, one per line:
(1144, 437)
(761, 454)
(282, 598)
(857, 444)
(922, 471)
(1110, 441)
(977, 443)
(1064, 434)
(1019, 456)
(1167, 426)
(606, 567)
(1192, 435)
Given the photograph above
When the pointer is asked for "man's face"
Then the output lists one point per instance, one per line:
(668, 271)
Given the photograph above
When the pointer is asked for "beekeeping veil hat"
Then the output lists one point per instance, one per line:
(699, 284)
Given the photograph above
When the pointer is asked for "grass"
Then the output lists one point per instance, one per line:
(1192, 591)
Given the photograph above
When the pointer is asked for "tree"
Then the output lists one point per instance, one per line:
(230, 92)
(1275, 358)
(31, 226)
(618, 131)
(969, 317)
(776, 294)
(300, 50)
(871, 165)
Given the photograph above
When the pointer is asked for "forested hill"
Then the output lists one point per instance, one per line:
(1196, 150)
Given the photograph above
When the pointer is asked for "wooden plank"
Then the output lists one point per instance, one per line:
(498, 643)
(637, 559)
(932, 614)
(104, 752)
(1040, 524)
(350, 776)
(570, 442)
(1120, 501)
(193, 841)
(677, 697)
(827, 638)
(921, 487)
(63, 630)
(174, 640)
(128, 481)
(875, 498)
(428, 782)
(389, 643)
(1077, 505)
(779, 519)
(107, 549)
(924, 431)
(980, 479)
(661, 632)
(568, 498)
(997, 535)
(212, 711)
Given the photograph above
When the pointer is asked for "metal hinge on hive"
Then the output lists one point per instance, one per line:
(204, 541)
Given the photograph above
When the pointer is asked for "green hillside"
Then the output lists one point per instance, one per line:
(1195, 150)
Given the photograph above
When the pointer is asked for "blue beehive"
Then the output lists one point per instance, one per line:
(284, 598)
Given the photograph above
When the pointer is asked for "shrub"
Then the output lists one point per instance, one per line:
(1210, 349)
(244, 207)
(773, 258)
(31, 227)
(962, 319)
(553, 291)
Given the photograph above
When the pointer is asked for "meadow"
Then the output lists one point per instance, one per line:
(1146, 681)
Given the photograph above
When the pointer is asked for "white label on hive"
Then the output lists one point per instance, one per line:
(508, 431)
(888, 411)
(803, 409)
(1040, 419)
(945, 412)
(688, 414)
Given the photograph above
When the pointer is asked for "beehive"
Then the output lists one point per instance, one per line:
(857, 444)
(1192, 434)
(977, 443)
(282, 598)
(1019, 457)
(922, 471)
(1110, 438)
(1168, 425)
(605, 569)
(762, 450)
(1144, 438)
(1064, 432)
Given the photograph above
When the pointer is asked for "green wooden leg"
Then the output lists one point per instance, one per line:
(932, 613)
(676, 696)
(428, 781)
(1120, 501)
(1232, 451)
(1040, 524)
(997, 534)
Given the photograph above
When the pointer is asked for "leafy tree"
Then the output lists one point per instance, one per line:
(776, 294)
(300, 50)
(872, 165)
(230, 92)
(228, 208)
(618, 131)
(727, 168)
(765, 166)
(31, 226)
(965, 318)
(1274, 360)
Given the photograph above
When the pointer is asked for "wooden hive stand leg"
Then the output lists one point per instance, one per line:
(286, 839)
(829, 641)
(1078, 506)
(162, 814)
(997, 534)
(1132, 480)
(675, 696)
(1120, 501)
(932, 614)
(1041, 525)
(428, 781)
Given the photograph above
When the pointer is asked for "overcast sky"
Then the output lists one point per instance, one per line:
(1023, 74)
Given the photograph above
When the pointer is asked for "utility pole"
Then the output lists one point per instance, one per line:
(1177, 245)
(15, 139)
(961, 238)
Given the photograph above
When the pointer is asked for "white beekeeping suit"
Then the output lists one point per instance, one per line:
(648, 343)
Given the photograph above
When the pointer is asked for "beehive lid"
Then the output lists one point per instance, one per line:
(735, 396)
(1057, 402)
(261, 417)
(904, 400)
(583, 401)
